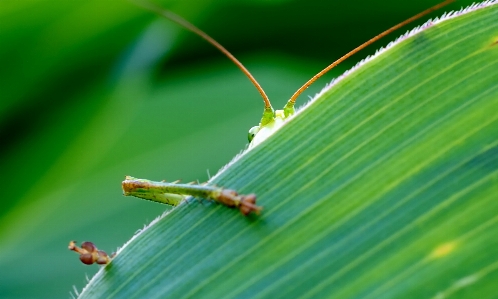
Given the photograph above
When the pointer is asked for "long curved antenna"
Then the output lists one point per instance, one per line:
(187, 25)
(367, 43)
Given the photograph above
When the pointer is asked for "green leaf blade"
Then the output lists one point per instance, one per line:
(385, 186)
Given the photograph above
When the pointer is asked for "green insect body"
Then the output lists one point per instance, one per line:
(270, 123)
(260, 133)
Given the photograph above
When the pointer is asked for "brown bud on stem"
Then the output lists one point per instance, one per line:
(89, 253)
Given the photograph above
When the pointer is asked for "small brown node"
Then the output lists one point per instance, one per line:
(89, 254)
(245, 203)
(248, 205)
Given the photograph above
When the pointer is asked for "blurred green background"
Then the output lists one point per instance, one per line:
(92, 91)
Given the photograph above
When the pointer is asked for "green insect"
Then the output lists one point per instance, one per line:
(270, 122)
(173, 193)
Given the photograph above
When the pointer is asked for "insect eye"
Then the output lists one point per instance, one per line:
(252, 132)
